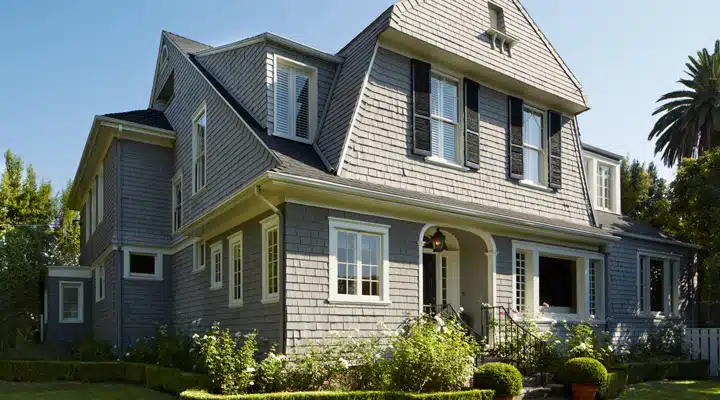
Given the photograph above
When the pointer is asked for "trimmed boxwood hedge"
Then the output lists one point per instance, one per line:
(584, 371)
(503, 378)
(614, 385)
(369, 395)
(672, 370)
(167, 380)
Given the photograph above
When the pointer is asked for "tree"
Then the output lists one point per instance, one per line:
(690, 121)
(644, 195)
(67, 231)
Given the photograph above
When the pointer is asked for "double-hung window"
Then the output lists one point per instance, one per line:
(603, 187)
(657, 283)
(199, 145)
(99, 283)
(199, 255)
(533, 146)
(444, 121)
(270, 259)
(71, 302)
(235, 244)
(177, 202)
(359, 261)
(295, 99)
(216, 265)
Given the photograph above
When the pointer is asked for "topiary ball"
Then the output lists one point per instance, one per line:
(584, 371)
(503, 378)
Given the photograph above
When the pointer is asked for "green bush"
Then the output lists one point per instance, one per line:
(673, 370)
(584, 371)
(175, 381)
(91, 349)
(367, 395)
(614, 385)
(231, 366)
(504, 379)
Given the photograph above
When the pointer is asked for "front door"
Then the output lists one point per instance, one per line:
(441, 284)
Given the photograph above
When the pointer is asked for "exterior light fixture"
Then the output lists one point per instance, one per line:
(438, 241)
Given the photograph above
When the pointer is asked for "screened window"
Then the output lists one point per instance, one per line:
(71, 302)
(444, 124)
(603, 187)
(199, 148)
(271, 259)
(236, 269)
(533, 146)
(177, 203)
(216, 266)
(295, 100)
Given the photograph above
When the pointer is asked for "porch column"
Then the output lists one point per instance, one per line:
(533, 294)
(492, 277)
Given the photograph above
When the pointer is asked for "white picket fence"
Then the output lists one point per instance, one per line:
(704, 344)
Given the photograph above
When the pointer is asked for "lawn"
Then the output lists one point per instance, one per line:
(678, 390)
(76, 391)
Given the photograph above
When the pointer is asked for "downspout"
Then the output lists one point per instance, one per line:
(281, 251)
(119, 272)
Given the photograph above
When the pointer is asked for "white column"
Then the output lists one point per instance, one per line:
(491, 279)
(532, 293)
(615, 181)
(582, 284)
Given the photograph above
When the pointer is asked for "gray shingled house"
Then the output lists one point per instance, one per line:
(434, 160)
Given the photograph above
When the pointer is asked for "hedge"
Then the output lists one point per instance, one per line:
(672, 370)
(167, 380)
(369, 395)
(614, 385)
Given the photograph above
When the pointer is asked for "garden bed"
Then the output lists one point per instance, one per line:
(324, 395)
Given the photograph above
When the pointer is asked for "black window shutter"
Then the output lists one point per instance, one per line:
(472, 124)
(421, 107)
(515, 117)
(555, 120)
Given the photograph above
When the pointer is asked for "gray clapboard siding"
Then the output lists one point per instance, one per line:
(309, 316)
(105, 318)
(380, 151)
(358, 54)
(229, 142)
(65, 334)
(145, 305)
(459, 26)
(241, 71)
(192, 298)
(105, 233)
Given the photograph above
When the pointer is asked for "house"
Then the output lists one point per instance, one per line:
(434, 160)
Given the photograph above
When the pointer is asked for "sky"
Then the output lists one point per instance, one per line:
(63, 62)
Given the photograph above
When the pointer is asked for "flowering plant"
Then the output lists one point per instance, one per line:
(229, 365)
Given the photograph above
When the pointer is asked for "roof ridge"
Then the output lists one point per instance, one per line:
(186, 38)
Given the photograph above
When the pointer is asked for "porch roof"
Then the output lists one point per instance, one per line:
(622, 225)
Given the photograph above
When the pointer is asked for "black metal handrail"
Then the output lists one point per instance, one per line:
(449, 309)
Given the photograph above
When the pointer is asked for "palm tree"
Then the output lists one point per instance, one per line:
(690, 121)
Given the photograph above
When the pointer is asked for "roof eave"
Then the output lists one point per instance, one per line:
(276, 39)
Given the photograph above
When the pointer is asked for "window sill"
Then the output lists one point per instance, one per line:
(99, 300)
(71, 321)
(364, 302)
(216, 287)
(270, 300)
(656, 315)
(143, 278)
(444, 163)
(236, 304)
(196, 270)
(202, 189)
(533, 185)
(293, 138)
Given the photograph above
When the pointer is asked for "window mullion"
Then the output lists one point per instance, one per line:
(358, 268)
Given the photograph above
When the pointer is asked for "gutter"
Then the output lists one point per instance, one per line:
(656, 240)
(283, 274)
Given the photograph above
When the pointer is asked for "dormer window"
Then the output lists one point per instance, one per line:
(497, 19)
(295, 100)
(604, 199)
(602, 174)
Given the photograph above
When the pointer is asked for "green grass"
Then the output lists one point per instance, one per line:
(76, 391)
(676, 390)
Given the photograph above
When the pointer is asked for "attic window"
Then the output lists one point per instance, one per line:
(498, 38)
(295, 100)
(497, 19)
(164, 57)
(166, 93)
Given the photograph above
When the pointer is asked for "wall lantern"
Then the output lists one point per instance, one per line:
(438, 241)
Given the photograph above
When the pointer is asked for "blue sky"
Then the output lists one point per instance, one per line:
(64, 62)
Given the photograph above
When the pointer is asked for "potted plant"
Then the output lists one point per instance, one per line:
(585, 375)
(503, 378)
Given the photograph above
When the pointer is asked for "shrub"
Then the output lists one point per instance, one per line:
(673, 370)
(581, 339)
(231, 367)
(433, 354)
(666, 342)
(91, 349)
(614, 385)
(169, 348)
(584, 371)
(272, 373)
(504, 379)
(366, 395)
(175, 381)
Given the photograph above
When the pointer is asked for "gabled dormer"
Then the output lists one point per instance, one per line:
(602, 173)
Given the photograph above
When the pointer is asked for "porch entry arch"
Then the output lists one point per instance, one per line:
(455, 258)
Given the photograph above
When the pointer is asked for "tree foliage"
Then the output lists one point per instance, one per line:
(645, 195)
(690, 120)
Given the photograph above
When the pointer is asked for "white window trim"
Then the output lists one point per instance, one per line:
(202, 109)
(312, 97)
(81, 300)
(336, 224)
(233, 240)
(591, 176)
(532, 281)
(100, 193)
(459, 137)
(611, 189)
(177, 181)
(268, 224)
(100, 273)
(215, 248)
(86, 225)
(543, 158)
(157, 276)
(199, 263)
(671, 284)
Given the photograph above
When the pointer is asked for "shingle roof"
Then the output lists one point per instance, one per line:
(602, 152)
(189, 46)
(623, 224)
(148, 117)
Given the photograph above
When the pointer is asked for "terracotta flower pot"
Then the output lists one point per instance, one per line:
(584, 392)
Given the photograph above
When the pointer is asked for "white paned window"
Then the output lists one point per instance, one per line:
(358, 261)
(99, 283)
(444, 124)
(71, 302)
(177, 203)
(270, 259)
(592, 287)
(236, 269)
(199, 146)
(533, 146)
(520, 280)
(199, 256)
(216, 266)
(295, 100)
(658, 283)
(604, 200)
